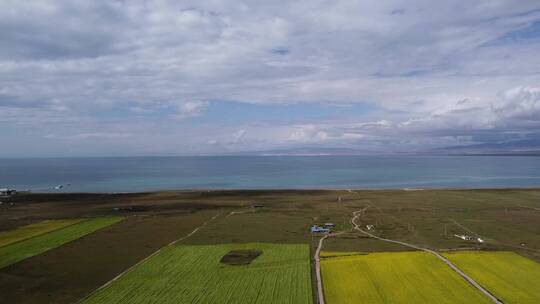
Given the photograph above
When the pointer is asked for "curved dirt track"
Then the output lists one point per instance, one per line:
(356, 227)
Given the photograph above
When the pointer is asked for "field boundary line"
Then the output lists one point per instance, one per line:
(318, 276)
(436, 254)
(146, 259)
(44, 233)
(49, 241)
(240, 212)
(320, 293)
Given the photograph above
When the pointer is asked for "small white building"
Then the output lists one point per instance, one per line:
(464, 237)
(469, 238)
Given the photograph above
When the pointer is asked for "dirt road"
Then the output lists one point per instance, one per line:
(148, 257)
(356, 226)
(320, 294)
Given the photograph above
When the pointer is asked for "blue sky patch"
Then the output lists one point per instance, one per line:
(281, 51)
(527, 34)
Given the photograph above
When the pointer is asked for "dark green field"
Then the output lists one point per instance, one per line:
(505, 219)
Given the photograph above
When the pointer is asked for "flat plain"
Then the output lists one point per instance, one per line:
(16, 252)
(506, 219)
(397, 277)
(194, 274)
(509, 276)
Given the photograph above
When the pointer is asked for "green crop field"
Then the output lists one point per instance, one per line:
(398, 277)
(194, 274)
(29, 231)
(509, 276)
(33, 246)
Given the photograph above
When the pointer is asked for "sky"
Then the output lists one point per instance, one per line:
(121, 78)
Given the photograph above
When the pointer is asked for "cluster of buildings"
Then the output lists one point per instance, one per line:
(7, 192)
(326, 228)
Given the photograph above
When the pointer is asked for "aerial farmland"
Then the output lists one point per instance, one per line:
(47, 236)
(258, 247)
(269, 152)
(397, 277)
(513, 278)
(195, 274)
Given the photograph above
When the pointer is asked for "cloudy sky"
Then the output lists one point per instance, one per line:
(84, 78)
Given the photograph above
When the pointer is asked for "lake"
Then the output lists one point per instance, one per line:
(136, 174)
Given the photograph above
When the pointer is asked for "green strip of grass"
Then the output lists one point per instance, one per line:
(27, 248)
(29, 231)
(194, 274)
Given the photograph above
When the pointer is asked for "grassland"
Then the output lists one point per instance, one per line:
(406, 277)
(193, 274)
(507, 219)
(509, 276)
(32, 230)
(30, 247)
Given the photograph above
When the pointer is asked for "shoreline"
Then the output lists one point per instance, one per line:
(274, 190)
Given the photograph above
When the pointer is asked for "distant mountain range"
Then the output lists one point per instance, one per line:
(518, 147)
(306, 151)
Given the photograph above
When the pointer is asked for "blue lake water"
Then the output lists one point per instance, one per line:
(136, 174)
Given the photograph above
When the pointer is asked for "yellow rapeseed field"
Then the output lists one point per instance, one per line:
(509, 276)
(397, 277)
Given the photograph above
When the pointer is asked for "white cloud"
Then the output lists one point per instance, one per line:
(509, 109)
(238, 135)
(308, 134)
(520, 102)
(127, 64)
(190, 109)
(89, 136)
